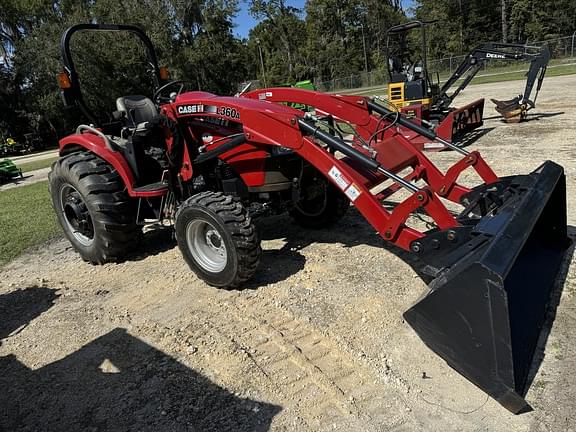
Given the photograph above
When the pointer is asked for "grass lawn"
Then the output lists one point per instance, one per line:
(26, 219)
(36, 165)
(509, 76)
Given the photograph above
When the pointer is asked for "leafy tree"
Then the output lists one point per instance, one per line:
(532, 20)
(193, 38)
(335, 38)
(281, 38)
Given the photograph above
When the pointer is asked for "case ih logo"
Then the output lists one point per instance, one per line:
(190, 109)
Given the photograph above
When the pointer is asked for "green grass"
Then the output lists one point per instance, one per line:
(513, 75)
(36, 165)
(26, 219)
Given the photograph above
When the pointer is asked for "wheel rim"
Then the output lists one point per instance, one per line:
(206, 245)
(76, 215)
(316, 205)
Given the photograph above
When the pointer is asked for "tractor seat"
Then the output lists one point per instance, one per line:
(138, 109)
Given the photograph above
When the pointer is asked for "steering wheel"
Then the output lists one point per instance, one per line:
(158, 98)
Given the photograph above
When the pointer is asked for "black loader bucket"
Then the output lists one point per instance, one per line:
(486, 306)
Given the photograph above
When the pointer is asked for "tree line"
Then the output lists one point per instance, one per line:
(196, 40)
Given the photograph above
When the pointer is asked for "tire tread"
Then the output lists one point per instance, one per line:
(113, 211)
(240, 226)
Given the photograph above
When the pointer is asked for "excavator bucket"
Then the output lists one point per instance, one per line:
(486, 307)
(512, 110)
(460, 121)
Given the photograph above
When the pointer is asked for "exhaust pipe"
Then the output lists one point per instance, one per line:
(487, 305)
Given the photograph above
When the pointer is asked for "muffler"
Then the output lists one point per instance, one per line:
(494, 278)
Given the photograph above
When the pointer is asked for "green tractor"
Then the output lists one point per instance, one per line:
(8, 170)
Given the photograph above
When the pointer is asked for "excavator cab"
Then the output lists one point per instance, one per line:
(408, 79)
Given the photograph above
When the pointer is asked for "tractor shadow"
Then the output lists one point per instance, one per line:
(472, 136)
(18, 308)
(119, 382)
(530, 117)
(14, 182)
(538, 116)
(154, 241)
(556, 295)
(277, 265)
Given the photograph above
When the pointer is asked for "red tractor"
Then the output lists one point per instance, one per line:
(212, 165)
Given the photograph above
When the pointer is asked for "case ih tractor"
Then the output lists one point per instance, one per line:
(212, 165)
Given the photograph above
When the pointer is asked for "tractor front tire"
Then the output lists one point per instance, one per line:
(323, 210)
(93, 208)
(218, 239)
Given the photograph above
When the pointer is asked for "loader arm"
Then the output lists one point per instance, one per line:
(474, 61)
(381, 127)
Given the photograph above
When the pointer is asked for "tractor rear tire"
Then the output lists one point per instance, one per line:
(93, 208)
(324, 210)
(218, 239)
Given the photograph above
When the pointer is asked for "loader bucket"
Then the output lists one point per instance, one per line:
(460, 121)
(484, 312)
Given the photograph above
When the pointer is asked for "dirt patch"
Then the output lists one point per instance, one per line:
(316, 342)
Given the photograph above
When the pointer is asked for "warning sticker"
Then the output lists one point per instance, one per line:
(353, 192)
(338, 178)
(263, 96)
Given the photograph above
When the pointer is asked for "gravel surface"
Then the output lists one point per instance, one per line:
(315, 342)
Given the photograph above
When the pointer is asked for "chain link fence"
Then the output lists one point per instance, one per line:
(562, 49)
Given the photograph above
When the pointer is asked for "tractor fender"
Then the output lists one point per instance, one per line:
(95, 144)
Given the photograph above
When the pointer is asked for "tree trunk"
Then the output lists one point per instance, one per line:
(504, 23)
(461, 27)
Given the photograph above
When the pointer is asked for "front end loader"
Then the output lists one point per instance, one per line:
(211, 166)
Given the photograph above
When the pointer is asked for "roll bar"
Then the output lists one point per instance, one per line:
(73, 96)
